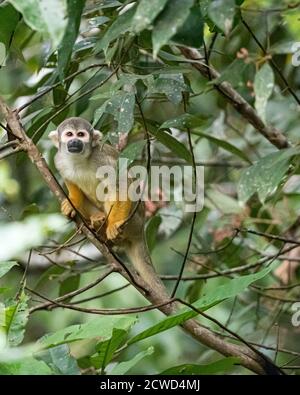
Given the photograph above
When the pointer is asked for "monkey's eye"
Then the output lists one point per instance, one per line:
(69, 134)
(80, 134)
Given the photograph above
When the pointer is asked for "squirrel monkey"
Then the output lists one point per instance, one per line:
(80, 154)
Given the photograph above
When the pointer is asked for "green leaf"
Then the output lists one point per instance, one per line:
(172, 85)
(59, 360)
(222, 12)
(121, 106)
(105, 350)
(124, 367)
(230, 289)
(169, 21)
(131, 152)
(101, 327)
(47, 17)
(9, 19)
(121, 25)
(151, 231)
(6, 266)
(15, 320)
(27, 366)
(223, 144)
(146, 12)
(173, 144)
(216, 367)
(75, 8)
(263, 88)
(69, 284)
(185, 121)
(191, 32)
(265, 175)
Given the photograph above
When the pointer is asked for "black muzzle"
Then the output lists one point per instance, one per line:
(75, 146)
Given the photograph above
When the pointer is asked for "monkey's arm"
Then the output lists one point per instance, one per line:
(76, 196)
(81, 204)
(117, 213)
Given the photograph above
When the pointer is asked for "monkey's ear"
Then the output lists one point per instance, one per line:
(53, 136)
(97, 136)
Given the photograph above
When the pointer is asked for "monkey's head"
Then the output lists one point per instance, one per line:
(75, 136)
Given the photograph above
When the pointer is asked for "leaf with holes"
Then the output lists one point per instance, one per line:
(265, 175)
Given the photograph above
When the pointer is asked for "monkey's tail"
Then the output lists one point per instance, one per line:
(140, 258)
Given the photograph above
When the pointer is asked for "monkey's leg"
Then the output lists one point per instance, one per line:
(77, 199)
(117, 213)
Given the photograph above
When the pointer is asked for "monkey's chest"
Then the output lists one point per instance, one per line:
(85, 180)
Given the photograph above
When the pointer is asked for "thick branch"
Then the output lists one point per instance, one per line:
(236, 100)
(248, 357)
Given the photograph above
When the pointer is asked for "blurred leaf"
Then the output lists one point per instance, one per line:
(47, 17)
(70, 284)
(222, 365)
(100, 327)
(15, 320)
(191, 32)
(6, 266)
(105, 350)
(223, 144)
(64, 53)
(237, 73)
(121, 106)
(171, 85)
(222, 13)
(26, 366)
(121, 25)
(146, 12)
(124, 367)
(151, 231)
(59, 360)
(185, 121)
(131, 152)
(173, 144)
(230, 289)
(9, 19)
(169, 22)
(263, 88)
(265, 175)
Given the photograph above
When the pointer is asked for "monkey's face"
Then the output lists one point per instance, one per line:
(75, 141)
(76, 137)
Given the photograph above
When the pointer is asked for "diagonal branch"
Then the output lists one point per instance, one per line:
(249, 358)
(236, 100)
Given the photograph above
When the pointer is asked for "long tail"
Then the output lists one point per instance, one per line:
(138, 253)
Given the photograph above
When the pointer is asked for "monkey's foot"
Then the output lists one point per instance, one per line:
(67, 209)
(97, 220)
(113, 230)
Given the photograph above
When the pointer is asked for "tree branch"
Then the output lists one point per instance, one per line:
(236, 100)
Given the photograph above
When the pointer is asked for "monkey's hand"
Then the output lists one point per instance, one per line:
(118, 212)
(97, 220)
(67, 209)
(113, 230)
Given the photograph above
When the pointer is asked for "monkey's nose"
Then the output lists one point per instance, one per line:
(75, 146)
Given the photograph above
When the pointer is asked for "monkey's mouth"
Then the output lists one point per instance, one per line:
(75, 146)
